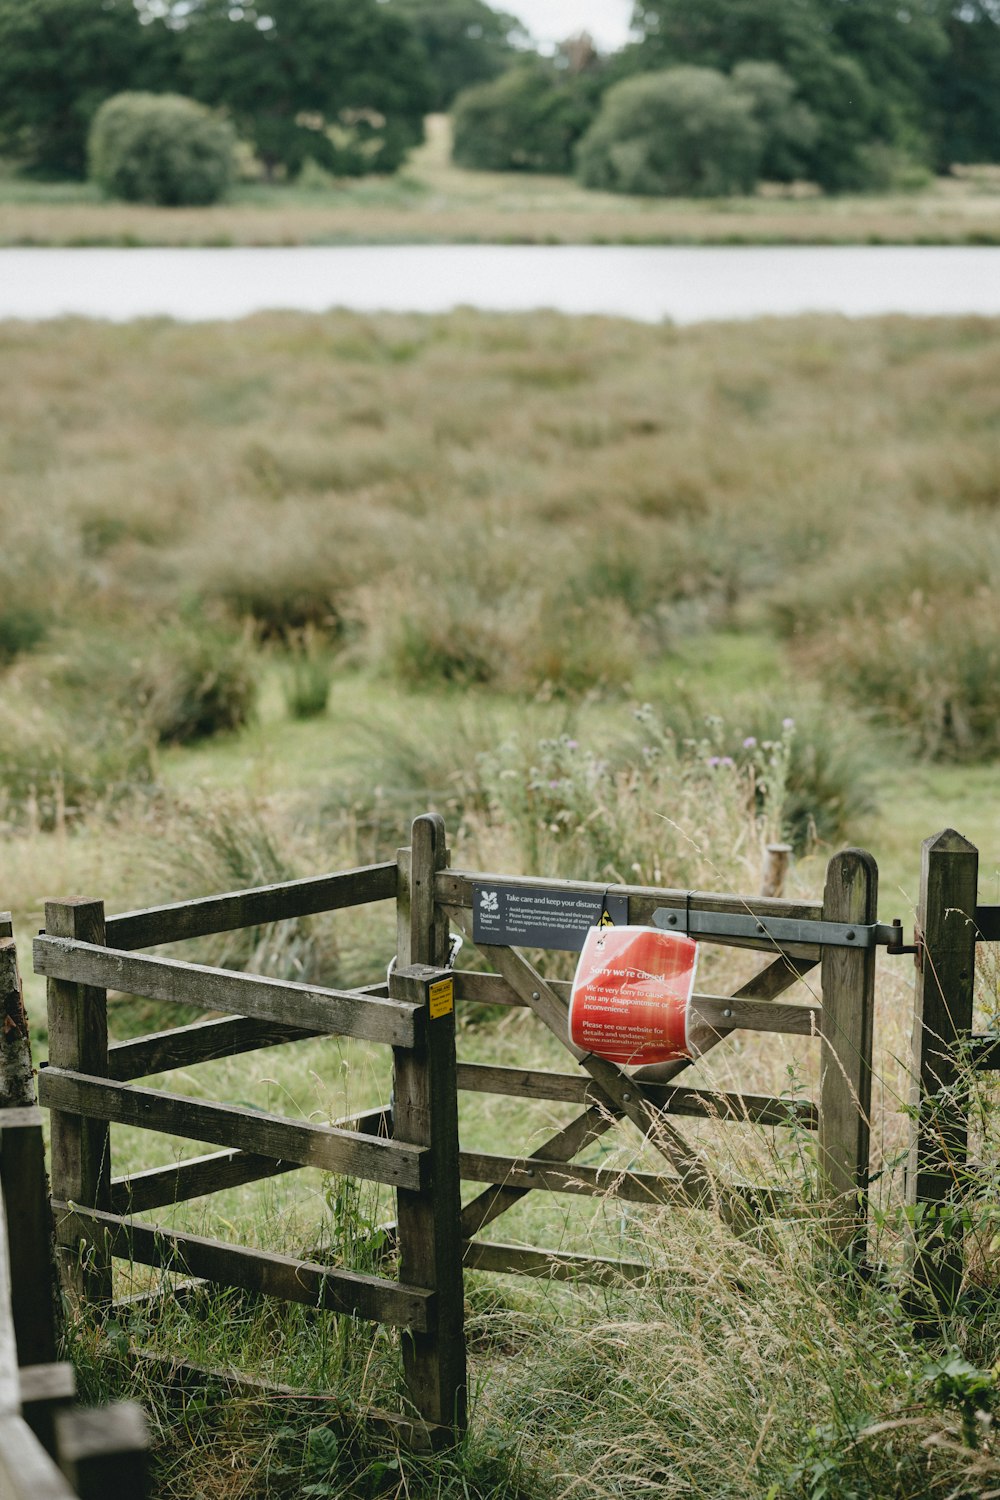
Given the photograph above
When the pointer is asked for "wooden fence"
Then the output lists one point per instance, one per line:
(50, 1449)
(89, 1083)
(951, 924)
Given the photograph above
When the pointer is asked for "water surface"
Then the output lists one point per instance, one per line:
(649, 284)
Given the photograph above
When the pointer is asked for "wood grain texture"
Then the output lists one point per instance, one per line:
(263, 1134)
(327, 1287)
(942, 1024)
(525, 1260)
(571, 1088)
(26, 1470)
(848, 980)
(104, 1450)
(29, 1235)
(17, 1081)
(251, 908)
(308, 1007)
(80, 1149)
(217, 1172)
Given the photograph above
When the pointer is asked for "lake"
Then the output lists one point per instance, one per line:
(648, 284)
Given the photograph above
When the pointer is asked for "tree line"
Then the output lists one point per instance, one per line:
(707, 97)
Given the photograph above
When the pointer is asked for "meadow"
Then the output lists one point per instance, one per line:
(624, 603)
(434, 202)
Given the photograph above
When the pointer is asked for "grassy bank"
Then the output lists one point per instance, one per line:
(434, 202)
(624, 603)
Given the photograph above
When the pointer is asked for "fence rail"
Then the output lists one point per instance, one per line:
(414, 1147)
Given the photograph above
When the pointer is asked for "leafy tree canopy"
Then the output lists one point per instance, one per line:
(863, 67)
(466, 42)
(528, 120)
(59, 59)
(343, 82)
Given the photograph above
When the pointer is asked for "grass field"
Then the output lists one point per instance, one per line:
(623, 603)
(432, 201)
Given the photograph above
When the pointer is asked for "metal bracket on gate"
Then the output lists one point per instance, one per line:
(780, 929)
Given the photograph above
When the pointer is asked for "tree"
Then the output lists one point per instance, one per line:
(789, 126)
(860, 66)
(528, 120)
(59, 59)
(466, 42)
(966, 81)
(681, 131)
(342, 82)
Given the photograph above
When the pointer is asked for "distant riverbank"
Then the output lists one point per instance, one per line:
(645, 284)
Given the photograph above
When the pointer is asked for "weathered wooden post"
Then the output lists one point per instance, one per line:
(81, 1152)
(17, 1081)
(942, 1024)
(425, 1113)
(848, 981)
(774, 870)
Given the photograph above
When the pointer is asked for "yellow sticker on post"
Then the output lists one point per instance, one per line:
(442, 998)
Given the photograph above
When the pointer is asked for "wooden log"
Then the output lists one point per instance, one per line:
(80, 1147)
(29, 1235)
(17, 1079)
(217, 1172)
(524, 1260)
(848, 980)
(571, 1088)
(329, 1288)
(425, 1111)
(323, 1146)
(309, 1007)
(26, 1470)
(942, 1024)
(252, 908)
(104, 1451)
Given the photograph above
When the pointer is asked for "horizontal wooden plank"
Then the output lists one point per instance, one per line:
(327, 1287)
(26, 1470)
(252, 907)
(563, 1177)
(203, 1041)
(454, 888)
(215, 1173)
(573, 1088)
(323, 1146)
(308, 1007)
(723, 1013)
(525, 1260)
(601, 1182)
(47, 1383)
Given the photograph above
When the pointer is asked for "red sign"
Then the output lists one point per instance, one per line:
(630, 997)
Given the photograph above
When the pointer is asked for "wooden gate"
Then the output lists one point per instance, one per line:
(649, 1097)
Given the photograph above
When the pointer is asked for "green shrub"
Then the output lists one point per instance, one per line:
(683, 131)
(193, 683)
(160, 148)
(527, 120)
(308, 676)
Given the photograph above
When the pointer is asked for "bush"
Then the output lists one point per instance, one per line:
(160, 148)
(683, 131)
(528, 120)
(195, 683)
